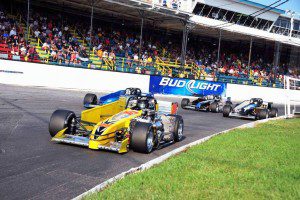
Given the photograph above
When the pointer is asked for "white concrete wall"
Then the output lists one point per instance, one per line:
(30, 74)
(275, 95)
(68, 77)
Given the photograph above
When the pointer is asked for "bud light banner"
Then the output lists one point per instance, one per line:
(187, 87)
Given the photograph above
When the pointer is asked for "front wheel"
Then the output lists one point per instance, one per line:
(263, 114)
(142, 137)
(60, 120)
(184, 102)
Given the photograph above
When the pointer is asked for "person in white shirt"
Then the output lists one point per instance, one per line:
(12, 32)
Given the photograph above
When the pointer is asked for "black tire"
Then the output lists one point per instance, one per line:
(214, 107)
(59, 120)
(140, 133)
(184, 102)
(227, 110)
(179, 124)
(262, 114)
(90, 99)
(273, 112)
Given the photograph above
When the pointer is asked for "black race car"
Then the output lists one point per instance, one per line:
(254, 108)
(207, 103)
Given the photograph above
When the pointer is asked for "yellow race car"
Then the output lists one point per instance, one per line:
(139, 123)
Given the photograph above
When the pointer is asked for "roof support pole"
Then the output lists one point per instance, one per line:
(292, 25)
(91, 28)
(250, 52)
(277, 54)
(184, 43)
(141, 35)
(219, 46)
(27, 21)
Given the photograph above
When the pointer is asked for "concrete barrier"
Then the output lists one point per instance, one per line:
(31, 74)
(52, 76)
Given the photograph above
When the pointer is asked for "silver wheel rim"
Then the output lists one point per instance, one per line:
(150, 141)
(180, 131)
(276, 115)
(217, 109)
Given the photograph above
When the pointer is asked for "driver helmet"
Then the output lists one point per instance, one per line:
(127, 91)
(209, 97)
(142, 104)
(152, 103)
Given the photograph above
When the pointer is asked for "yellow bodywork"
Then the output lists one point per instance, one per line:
(103, 112)
(101, 116)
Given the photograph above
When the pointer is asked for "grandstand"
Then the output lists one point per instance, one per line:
(231, 41)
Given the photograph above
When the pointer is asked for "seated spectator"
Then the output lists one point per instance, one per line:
(15, 50)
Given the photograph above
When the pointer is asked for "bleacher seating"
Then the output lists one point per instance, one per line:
(164, 57)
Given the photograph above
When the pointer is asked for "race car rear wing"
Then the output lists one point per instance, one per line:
(166, 107)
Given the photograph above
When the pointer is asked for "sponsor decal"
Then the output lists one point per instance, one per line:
(11, 72)
(166, 85)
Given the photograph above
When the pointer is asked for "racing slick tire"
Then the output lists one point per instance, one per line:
(90, 98)
(262, 114)
(142, 137)
(273, 112)
(59, 120)
(178, 127)
(227, 110)
(214, 107)
(184, 102)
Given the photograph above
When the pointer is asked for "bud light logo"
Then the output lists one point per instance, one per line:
(166, 85)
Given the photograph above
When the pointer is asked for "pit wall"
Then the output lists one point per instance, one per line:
(51, 76)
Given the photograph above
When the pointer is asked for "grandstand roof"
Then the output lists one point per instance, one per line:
(129, 8)
(160, 17)
(258, 5)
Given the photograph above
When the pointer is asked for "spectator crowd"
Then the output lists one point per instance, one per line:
(56, 37)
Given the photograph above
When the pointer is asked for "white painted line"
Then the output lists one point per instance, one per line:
(164, 157)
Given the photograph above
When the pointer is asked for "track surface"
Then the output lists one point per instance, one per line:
(32, 167)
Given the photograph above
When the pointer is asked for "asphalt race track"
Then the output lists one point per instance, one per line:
(32, 167)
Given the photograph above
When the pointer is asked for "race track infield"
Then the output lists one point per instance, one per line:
(32, 167)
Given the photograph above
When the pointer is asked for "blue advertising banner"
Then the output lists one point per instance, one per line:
(187, 87)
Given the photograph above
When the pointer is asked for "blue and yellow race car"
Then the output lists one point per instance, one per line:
(142, 125)
(91, 100)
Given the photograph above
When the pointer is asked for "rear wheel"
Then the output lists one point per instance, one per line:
(178, 128)
(214, 107)
(90, 99)
(60, 120)
(227, 110)
(142, 137)
(184, 102)
(273, 112)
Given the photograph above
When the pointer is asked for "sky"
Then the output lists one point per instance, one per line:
(293, 5)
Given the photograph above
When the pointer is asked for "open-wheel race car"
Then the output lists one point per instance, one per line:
(212, 103)
(91, 100)
(254, 108)
(143, 125)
